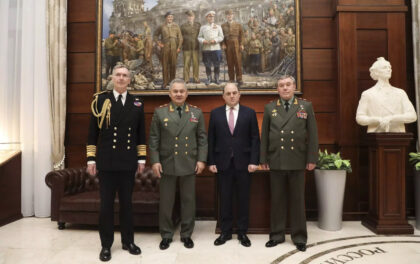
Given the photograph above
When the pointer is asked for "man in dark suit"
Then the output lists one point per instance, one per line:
(289, 145)
(233, 154)
(116, 150)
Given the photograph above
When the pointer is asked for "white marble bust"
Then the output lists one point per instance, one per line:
(384, 108)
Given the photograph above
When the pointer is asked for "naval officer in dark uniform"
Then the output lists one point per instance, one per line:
(178, 151)
(116, 150)
(289, 145)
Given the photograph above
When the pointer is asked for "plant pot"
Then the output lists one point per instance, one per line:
(417, 197)
(330, 186)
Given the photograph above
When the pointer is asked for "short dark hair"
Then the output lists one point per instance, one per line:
(232, 84)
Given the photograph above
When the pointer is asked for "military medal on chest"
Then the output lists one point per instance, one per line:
(166, 121)
(193, 118)
(302, 113)
(274, 112)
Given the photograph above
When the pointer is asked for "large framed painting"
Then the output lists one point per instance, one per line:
(205, 42)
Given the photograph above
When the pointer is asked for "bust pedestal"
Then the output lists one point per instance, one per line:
(387, 164)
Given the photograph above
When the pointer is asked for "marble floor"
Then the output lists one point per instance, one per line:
(37, 240)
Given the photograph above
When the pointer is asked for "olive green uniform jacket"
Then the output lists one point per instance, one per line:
(289, 140)
(178, 143)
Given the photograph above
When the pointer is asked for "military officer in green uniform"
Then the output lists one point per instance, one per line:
(178, 150)
(289, 145)
(169, 39)
(190, 46)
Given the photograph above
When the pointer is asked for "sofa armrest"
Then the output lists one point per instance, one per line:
(147, 181)
(66, 182)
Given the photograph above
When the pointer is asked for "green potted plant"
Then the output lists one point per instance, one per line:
(415, 160)
(330, 181)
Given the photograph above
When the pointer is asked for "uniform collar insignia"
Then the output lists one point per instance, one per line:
(278, 102)
(171, 108)
(295, 102)
(187, 109)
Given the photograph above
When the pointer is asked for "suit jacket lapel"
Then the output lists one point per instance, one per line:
(126, 109)
(184, 118)
(224, 118)
(240, 114)
(287, 115)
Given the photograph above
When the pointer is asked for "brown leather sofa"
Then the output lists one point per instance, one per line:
(75, 198)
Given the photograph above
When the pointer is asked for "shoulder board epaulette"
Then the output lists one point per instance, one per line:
(193, 106)
(164, 105)
(101, 92)
(300, 98)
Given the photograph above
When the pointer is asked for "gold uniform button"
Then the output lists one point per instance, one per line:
(282, 131)
(113, 147)
(176, 145)
(176, 138)
(186, 145)
(129, 128)
(292, 132)
(282, 139)
(128, 147)
(282, 147)
(115, 134)
(292, 148)
(292, 140)
(115, 141)
(128, 141)
(115, 128)
(129, 135)
(186, 153)
(176, 153)
(186, 138)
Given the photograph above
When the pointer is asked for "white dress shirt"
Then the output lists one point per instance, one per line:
(124, 96)
(210, 32)
(235, 113)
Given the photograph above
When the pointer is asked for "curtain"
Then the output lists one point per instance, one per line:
(10, 63)
(57, 69)
(415, 7)
(35, 124)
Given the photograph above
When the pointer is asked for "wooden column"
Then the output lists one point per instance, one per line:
(387, 162)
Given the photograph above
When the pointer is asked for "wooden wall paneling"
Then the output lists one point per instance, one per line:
(365, 3)
(348, 96)
(318, 33)
(79, 97)
(205, 196)
(81, 67)
(81, 11)
(78, 125)
(318, 8)
(322, 94)
(81, 37)
(396, 49)
(371, 20)
(75, 156)
(371, 44)
(327, 132)
(319, 64)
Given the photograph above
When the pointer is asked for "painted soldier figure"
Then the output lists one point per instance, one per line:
(190, 46)
(112, 52)
(232, 44)
(289, 145)
(178, 151)
(169, 39)
(148, 43)
(210, 36)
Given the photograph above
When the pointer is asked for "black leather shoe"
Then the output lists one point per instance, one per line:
(273, 243)
(243, 238)
(105, 254)
(301, 246)
(164, 244)
(132, 248)
(188, 243)
(222, 239)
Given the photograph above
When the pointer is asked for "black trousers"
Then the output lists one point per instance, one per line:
(109, 184)
(233, 181)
